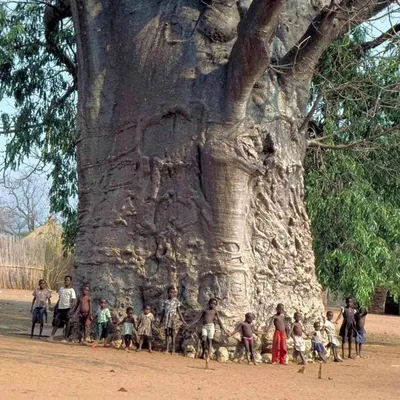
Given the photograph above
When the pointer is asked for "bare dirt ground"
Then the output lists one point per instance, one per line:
(33, 368)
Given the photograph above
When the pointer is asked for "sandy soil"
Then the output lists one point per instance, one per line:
(33, 368)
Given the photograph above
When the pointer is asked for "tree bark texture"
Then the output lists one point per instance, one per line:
(190, 157)
(378, 301)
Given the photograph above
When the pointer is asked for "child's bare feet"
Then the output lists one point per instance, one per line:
(127, 350)
(150, 351)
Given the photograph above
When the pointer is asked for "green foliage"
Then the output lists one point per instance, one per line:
(43, 121)
(353, 196)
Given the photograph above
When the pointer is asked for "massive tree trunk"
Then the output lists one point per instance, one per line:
(189, 152)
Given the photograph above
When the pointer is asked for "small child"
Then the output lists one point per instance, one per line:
(316, 342)
(330, 329)
(279, 343)
(103, 318)
(171, 311)
(84, 308)
(347, 330)
(297, 334)
(246, 330)
(360, 333)
(145, 328)
(128, 325)
(39, 313)
(208, 318)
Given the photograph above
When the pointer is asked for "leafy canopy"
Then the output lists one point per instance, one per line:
(352, 196)
(43, 122)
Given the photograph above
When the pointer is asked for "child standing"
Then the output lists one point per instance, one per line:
(103, 319)
(297, 334)
(38, 308)
(128, 325)
(330, 330)
(316, 342)
(279, 343)
(347, 330)
(208, 318)
(171, 312)
(84, 308)
(145, 328)
(246, 330)
(66, 301)
(360, 333)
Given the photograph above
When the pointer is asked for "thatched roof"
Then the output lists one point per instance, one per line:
(49, 230)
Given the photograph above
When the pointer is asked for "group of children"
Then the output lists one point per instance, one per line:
(71, 311)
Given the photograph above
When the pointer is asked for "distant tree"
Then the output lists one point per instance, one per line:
(23, 204)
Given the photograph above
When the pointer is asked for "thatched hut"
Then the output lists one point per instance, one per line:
(23, 261)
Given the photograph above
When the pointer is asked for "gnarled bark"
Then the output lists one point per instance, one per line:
(180, 181)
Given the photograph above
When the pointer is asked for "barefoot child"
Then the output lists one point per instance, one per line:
(360, 334)
(297, 334)
(103, 319)
(246, 330)
(65, 303)
(330, 330)
(84, 308)
(316, 342)
(171, 312)
(347, 329)
(128, 325)
(279, 343)
(208, 318)
(145, 328)
(38, 308)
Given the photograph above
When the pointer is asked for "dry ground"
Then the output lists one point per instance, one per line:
(30, 369)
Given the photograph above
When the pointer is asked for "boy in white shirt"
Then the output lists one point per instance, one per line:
(66, 301)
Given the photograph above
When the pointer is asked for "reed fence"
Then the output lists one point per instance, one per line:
(23, 261)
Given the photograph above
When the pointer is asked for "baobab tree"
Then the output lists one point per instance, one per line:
(192, 119)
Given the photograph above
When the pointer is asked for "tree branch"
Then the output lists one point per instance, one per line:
(53, 15)
(332, 22)
(250, 54)
(58, 102)
(318, 144)
(389, 34)
(310, 114)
